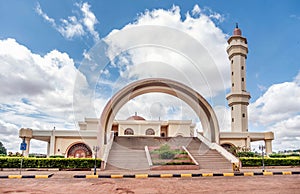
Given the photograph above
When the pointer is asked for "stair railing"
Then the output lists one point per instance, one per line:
(190, 156)
(230, 157)
(148, 156)
(107, 150)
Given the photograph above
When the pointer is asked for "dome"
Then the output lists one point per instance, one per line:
(237, 31)
(136, 118)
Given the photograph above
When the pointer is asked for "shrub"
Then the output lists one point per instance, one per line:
(61, 163)
(283, 155)
(246, 154)
(57, 156)
(270, 161)
(168, 154)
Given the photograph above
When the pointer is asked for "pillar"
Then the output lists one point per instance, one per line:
(248, 143)
(27, 141)
(52, 144)
(26, 134)
(268, 145)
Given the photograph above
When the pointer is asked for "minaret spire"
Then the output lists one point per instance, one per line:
(238, 98)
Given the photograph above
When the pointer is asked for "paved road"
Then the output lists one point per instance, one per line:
(64, 183)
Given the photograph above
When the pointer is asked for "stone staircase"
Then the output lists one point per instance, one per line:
(121, 157)
(128, 153)
(208, 158)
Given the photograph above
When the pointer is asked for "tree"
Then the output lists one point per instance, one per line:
(2, 149)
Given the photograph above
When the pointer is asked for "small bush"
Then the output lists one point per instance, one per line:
(249, 162)
(168, 154)
(61, 163)
(283, 155)
(57, 156)
(246, 154)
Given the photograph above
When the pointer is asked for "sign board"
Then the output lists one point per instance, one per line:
(23, 146)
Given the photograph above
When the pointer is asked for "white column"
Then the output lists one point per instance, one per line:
(268, 145)
(48, 149)
(248, 142)
(27, 141)
(52, 144)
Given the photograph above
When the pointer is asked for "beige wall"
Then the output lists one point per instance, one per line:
(176, 129)
(139, 128)
(64, 143)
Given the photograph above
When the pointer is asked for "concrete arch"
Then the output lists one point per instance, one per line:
(201, 107)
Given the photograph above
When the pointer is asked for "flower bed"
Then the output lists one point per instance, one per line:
(167, 158)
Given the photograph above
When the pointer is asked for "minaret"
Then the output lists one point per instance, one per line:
(238, 98)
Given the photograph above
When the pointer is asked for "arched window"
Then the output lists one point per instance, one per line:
(128, 131)
(79, 150)
(150, 132)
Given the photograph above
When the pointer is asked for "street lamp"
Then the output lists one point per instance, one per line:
(95, 149)
(262, 147)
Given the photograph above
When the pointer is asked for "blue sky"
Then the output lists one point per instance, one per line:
(37, 41)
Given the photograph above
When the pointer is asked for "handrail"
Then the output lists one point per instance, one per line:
(107, 150)
(225, 153)
(190, 155)
(148, 156)
(235, 161)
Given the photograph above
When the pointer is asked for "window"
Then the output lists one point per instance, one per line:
(231, 61)
(242, 67)
(232, 120)
(150, 132)
(242, 79)
(128, 131)
(232, 84)
(232, 73)
(231, 108)
(243, 114)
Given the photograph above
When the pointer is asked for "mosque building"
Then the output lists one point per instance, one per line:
(104, 131)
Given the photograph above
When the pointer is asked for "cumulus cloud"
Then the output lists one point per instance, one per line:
(89, 20)
(192, 50)
(278, 110)
(36, 91)
(160, 43)
(72, 26)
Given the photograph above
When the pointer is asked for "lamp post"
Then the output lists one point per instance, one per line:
(95, 149)
(262, 147)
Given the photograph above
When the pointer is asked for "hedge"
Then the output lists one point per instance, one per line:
(249, 162)
(61, 163)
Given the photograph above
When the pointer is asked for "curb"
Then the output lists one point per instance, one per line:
(26, 176)
(114, 176)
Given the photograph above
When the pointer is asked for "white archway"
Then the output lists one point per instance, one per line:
(201, 107)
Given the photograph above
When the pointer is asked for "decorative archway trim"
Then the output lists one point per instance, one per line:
(197, 102)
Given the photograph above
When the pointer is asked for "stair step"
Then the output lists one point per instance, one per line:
(128, 152)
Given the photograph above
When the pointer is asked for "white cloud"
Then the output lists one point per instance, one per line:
(161, 44)
(279, 102)
(89, 20)
(278, 110)
(196, 10)
(36, 91)
(192, 51)
(74, 27)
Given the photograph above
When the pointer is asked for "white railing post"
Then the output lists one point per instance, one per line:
(148, 156)
(107, 150)
(233, 160)
(190, 155)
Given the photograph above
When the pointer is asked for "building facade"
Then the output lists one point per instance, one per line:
(80, 143)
